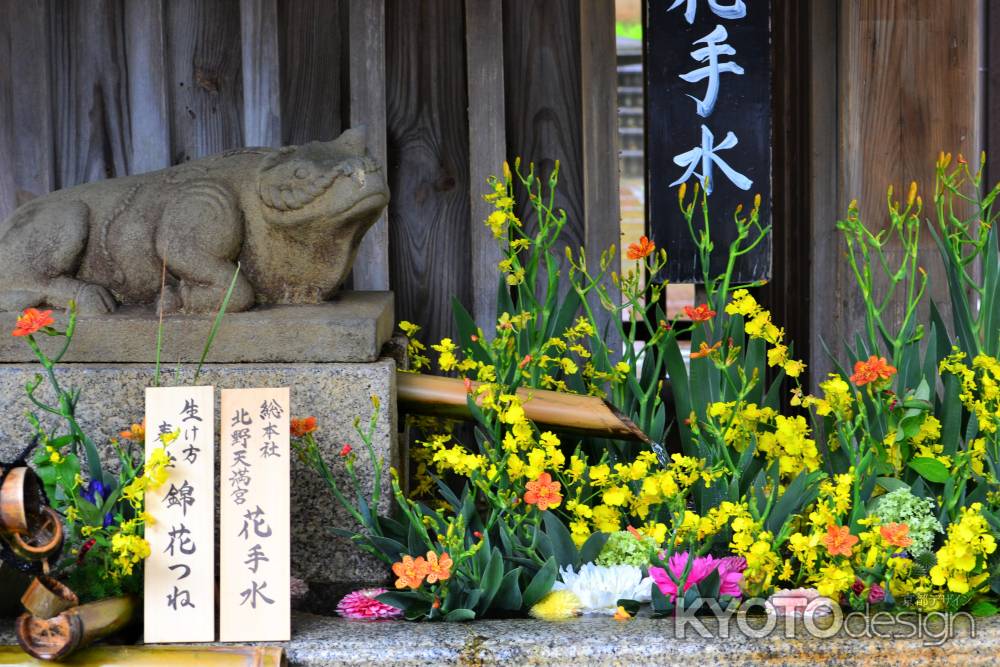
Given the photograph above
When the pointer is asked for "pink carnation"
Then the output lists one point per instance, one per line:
(362, 605)
(730, 574)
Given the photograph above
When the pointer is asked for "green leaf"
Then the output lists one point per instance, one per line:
(802, 491)
(563, 547)
(660, 602)
(390, 547)
(709, 586)
(678, 377)
(459, 615)
(930, 469)
(540, 584)
(508, 597)
(591, 549)
(891, 483)
(490, 583)
(400, 600)
(215, 325)
(417, 611)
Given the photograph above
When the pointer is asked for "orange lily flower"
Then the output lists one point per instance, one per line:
(839, 541)
(31, 321)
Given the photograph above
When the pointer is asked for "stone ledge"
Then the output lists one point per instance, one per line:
(351, 328)
(319, 641)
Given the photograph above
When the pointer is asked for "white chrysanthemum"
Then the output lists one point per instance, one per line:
(600, 587)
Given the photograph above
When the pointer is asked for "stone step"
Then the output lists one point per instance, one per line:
(320, 641)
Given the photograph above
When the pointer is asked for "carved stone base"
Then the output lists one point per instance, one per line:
(351, 328)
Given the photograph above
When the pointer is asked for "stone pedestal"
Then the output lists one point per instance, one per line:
(335, 391)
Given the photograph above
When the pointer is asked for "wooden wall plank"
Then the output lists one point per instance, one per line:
(366, 25)
(147, 86)
(31, 167)
(261, 73)
(8, 178)
(788, 294)
(826, 248)
(909, 87)
(311, 65)
(542, 93)
(429, 162)
(487, 147)
(205, 82)
(90, 91)
(992, 119)
(599, 145)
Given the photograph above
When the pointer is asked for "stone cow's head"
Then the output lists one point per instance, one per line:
(324, 185)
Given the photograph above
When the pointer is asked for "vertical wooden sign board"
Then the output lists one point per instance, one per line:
(708, 74)
(255, 533)
(179, 600)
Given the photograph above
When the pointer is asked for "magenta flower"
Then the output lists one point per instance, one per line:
(876, 594)
(730, 574)
(362, 605)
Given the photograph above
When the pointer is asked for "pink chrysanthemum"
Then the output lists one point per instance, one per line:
(362, 605)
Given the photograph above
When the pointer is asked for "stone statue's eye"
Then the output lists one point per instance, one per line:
(300, 173)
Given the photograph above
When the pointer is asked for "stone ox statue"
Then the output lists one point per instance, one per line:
(292, 217)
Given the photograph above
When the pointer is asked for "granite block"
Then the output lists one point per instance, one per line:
(112, 397)
(351, 328)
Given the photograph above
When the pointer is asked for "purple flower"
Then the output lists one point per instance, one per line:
(95, 493)
(876, 594)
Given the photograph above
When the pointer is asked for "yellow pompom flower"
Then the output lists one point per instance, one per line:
(557, 606)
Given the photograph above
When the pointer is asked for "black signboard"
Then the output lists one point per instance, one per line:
(708, 114)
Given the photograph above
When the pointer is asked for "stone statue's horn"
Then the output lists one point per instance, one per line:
(353, 140)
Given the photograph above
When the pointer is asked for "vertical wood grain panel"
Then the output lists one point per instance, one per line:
(825, 317)
(992, 118)
(8, 179)
(909, 88)
(90, 91)
(428, 158)
(542, 88)
(147, 86)
(788, 293)
(310, 70)
(366, 26)
(599, 135)
(261, 73)
(206, 90)
(27, 82)
(487, 147)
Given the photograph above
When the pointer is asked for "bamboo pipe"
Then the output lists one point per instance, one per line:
(161, 656)
(76, 628)
(43, 542)
(46, 597)
(21, 501)
(586, 415)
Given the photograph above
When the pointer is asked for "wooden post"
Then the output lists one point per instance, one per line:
(366, 81)
(261, 73)
(147, 86)
(487, 147)
(599, 137)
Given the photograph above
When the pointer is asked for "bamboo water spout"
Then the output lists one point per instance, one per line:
(162, 656)
(586, 415)
(21, 501)
(57, 637)
(46, 597)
